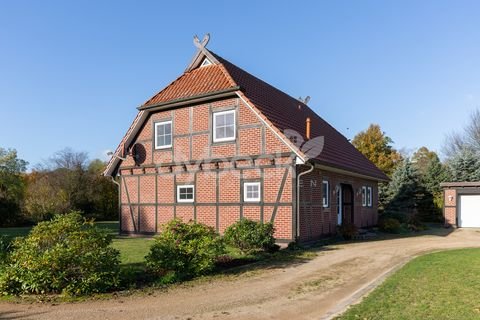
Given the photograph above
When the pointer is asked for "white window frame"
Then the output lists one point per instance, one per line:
(326, 201)
(364, 196)
(215, 114)
(185, 186)
(369, 196)
(245, 193)
(158, 124)
(205, 62)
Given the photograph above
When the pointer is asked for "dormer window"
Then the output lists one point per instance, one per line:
(205, 62)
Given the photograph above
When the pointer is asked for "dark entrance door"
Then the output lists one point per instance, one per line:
(347, 204)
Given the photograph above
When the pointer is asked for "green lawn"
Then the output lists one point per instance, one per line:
(132, 250)
(442, 285)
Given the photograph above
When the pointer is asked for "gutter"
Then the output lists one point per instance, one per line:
(297, 231)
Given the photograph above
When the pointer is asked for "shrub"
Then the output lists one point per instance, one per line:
(348, 230)
(184, 250)
(249, 236)
(65, 255)
(390, 225)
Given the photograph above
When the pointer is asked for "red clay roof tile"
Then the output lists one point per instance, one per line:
(199, 81)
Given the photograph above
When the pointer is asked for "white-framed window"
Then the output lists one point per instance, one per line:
(163, 135)
(369, 196)
(325, 193)
(364, 196)
(185, 193)
(251, 192)
(224, 126)
(205, 62)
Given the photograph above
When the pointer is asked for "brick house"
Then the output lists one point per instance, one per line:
(218, 144)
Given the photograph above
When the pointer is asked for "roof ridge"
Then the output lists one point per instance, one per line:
(221, 59)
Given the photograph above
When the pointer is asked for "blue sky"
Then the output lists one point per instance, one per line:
(73, 73)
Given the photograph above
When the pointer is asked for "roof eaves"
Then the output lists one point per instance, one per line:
(360, 173)
(184, 100)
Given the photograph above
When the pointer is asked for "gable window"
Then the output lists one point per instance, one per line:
(224, 126)
(251, 191)
(364, 196)
(369, 196)
(205, 62)
(185, 193)
(163, 135)
(325, 194)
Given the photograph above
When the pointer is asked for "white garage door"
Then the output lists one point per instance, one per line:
(469, 211)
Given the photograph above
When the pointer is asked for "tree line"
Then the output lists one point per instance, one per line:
(68, 181)
(414, 186)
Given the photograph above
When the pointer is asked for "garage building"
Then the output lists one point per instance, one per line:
(461, 204)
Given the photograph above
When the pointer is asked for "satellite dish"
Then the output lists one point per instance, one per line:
(139, 153)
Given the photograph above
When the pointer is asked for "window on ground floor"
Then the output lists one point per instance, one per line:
(369, 196)
(364, 196)
(325, 194)
(185, 193)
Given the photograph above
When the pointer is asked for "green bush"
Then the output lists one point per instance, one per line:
(348, 230)
(249, 236)
(390, 225)
(184, 250)
(65, 255)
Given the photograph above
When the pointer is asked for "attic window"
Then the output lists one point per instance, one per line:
(205, 62)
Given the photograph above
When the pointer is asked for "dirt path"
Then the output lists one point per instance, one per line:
(317, 289)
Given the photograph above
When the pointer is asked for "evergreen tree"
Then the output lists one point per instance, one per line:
(465, 165)
(402, 189)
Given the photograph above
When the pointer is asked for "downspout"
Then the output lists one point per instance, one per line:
(119, 205)
(115, 181)
(297, 234)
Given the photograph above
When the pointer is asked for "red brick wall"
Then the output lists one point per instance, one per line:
(450, 207)
(151, 183)
(218, 171)
(317, 221)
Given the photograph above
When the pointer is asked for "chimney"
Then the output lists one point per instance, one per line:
(307, 125)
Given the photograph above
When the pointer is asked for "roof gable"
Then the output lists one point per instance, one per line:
(279, 108)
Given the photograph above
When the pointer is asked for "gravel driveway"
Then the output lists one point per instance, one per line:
(317, 289)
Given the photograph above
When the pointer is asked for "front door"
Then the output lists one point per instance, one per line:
(347, 203)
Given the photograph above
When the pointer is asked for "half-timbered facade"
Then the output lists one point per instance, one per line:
(219, 144)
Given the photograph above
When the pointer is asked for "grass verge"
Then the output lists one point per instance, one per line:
(441, 285)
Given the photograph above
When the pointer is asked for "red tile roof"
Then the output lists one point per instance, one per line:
(284, 111)
(202, 80)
